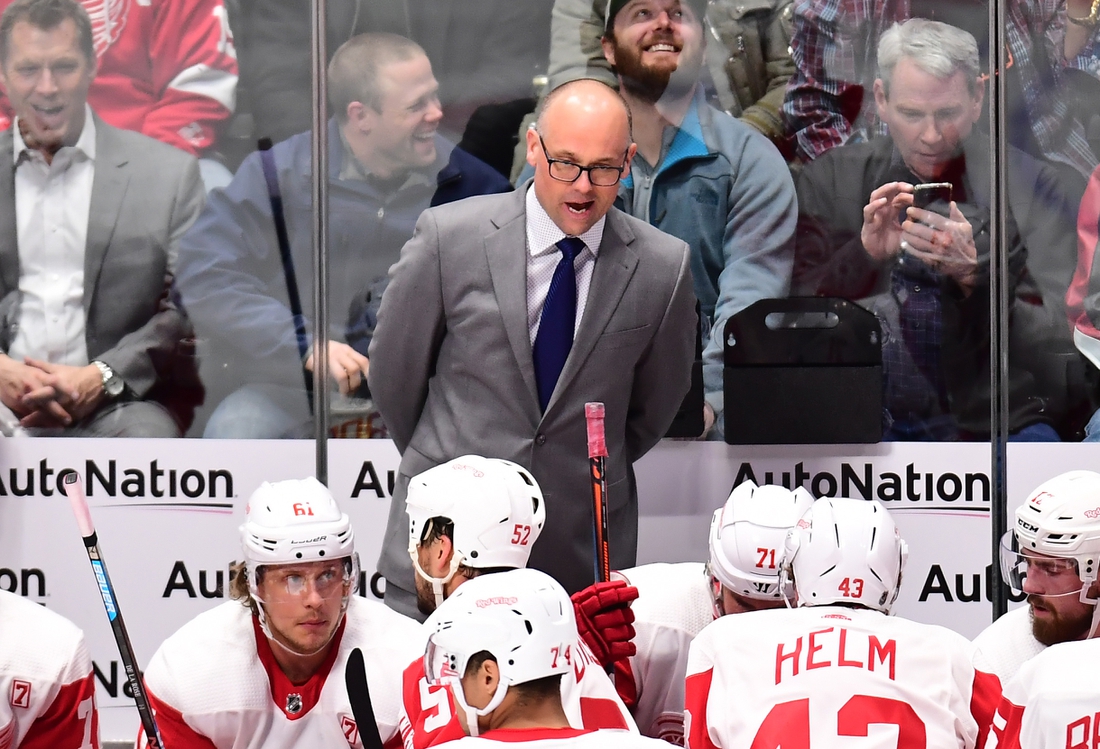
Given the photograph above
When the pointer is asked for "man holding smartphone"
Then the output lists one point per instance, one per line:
(902, 225)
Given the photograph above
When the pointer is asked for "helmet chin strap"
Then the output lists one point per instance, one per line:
(1084, 598)
(472, 714)
(437, 582)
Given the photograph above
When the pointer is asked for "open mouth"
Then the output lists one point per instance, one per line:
(50, 118)
(662, 47)
(579, 208)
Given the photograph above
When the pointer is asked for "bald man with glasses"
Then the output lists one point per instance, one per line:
(506, 314)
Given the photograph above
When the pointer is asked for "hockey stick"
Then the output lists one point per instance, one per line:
(271, 177)
(79, 502)
(597, 454)
(355, 678)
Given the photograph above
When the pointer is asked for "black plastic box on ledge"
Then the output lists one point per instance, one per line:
(803, 370)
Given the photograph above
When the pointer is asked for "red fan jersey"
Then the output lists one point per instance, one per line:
(167, 69)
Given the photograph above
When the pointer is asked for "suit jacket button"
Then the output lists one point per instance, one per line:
(540, 439)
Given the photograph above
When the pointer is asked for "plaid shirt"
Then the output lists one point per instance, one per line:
(830, 98)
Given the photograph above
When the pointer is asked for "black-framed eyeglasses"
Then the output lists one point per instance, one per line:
(567, 171)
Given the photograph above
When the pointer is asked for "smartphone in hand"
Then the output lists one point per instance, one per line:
(933, 196)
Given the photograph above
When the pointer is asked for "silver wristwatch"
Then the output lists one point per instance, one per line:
(112, 383)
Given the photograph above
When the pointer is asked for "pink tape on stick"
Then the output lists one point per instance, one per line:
(593, 416)
(75, 492)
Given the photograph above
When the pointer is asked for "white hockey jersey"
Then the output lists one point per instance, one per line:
(559, 738)
(429, 716)
(1053, 702)
(1006, 644)
(673, 605)
(47, 690)
(215, 682)
(812, 677)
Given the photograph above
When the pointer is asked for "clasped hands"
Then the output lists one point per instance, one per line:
(43, 394)
(944, 243)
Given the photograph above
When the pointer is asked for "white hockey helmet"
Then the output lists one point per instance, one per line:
(494, 506)
(1061, 518)
(294, 521)
(523, 618)
(845, 551)
(747, 535)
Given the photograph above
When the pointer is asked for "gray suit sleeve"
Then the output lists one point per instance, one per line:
(136, 354)
(410, 330)
(663, 376)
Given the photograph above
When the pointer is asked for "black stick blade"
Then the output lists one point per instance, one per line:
(355, 678)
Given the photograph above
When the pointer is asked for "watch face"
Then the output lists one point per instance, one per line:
(114, 386)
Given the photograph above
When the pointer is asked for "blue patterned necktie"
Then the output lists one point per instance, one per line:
(559, 317)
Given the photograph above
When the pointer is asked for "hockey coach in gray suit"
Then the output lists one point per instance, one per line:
(507, 313)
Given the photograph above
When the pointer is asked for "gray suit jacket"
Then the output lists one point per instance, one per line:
(451, 370)
(144, 196)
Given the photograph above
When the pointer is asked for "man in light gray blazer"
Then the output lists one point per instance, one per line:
(464, 358)
(90, 219)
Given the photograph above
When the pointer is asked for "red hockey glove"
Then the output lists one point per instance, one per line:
(605, 621)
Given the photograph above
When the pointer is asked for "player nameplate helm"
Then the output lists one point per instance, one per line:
(845, 551)
(747, 536)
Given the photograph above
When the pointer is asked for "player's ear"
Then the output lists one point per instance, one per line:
(439, 556)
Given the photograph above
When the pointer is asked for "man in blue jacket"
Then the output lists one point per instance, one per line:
(699, 174)
(387, 164)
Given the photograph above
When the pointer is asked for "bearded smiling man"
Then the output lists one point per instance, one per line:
(1059, 576)
(699, 174)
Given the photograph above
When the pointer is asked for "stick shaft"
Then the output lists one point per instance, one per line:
(597, 455)
(79, 502)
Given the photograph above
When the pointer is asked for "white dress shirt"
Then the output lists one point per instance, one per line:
(52, 203)
(543, 257)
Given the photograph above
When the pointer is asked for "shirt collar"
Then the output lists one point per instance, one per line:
(680, 143)
(352, 169)
(84, 144)
(543, 234)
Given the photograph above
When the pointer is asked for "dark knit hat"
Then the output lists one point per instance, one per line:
(614, 6)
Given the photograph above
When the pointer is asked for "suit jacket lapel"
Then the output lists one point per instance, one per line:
(614, 266)
(9, 238)
(506, 250)
(108, 192)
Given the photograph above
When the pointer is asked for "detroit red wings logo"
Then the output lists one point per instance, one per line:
(108, 21)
